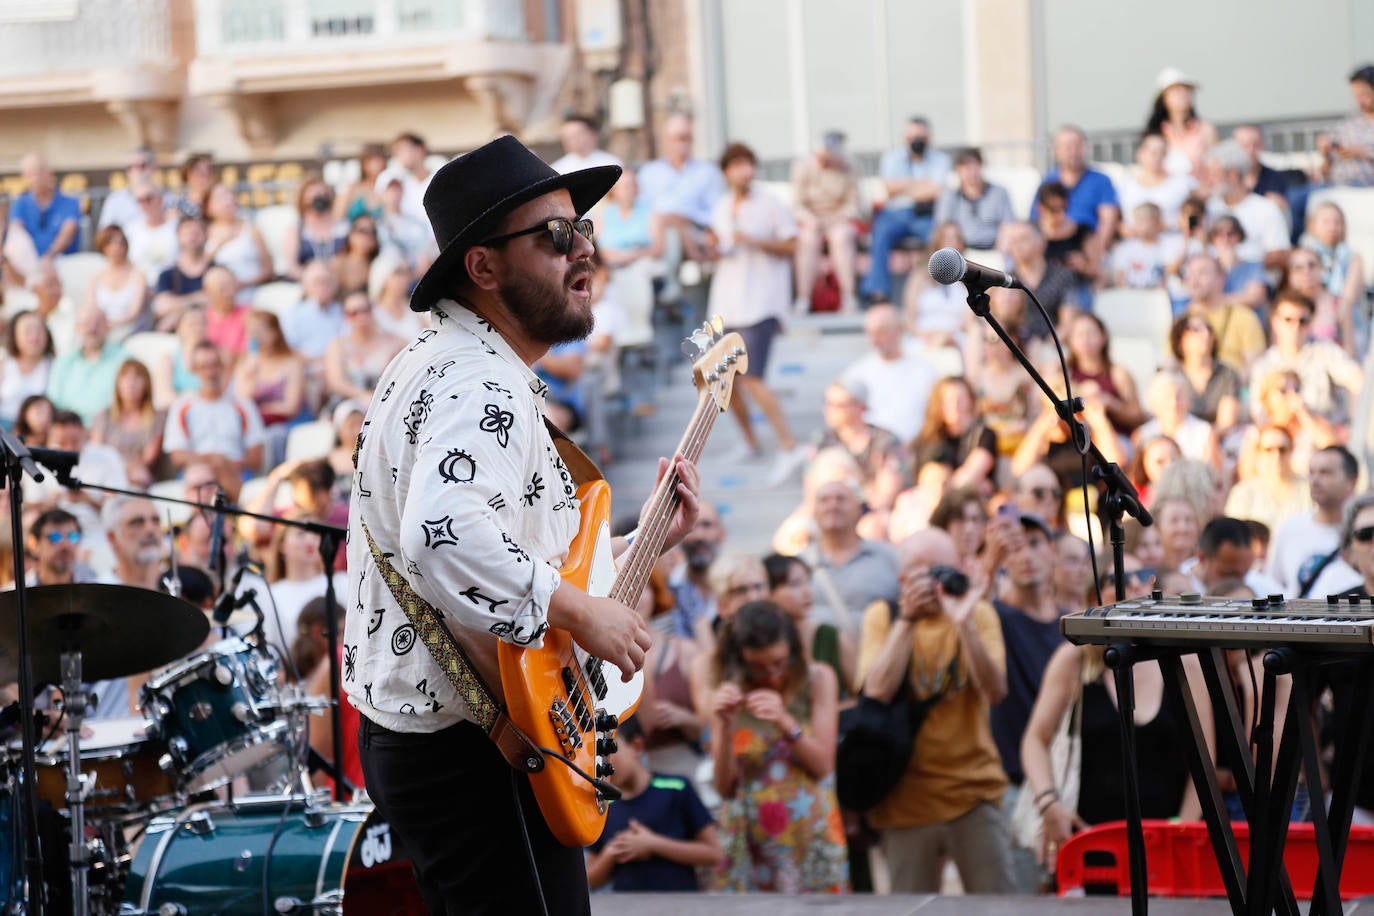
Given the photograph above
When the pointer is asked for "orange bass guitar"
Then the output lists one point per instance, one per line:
(561, 697)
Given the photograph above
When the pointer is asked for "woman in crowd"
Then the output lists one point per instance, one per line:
(118, 288)
(131, 425)
(826, 189)
(348, 423)
(1303, 273)
(1245, 280)
(1213, 386)
(734, 579)
(791, 589)
(1174, 118)
(1148, 463)
(272, 376)
(673, 729)
(955, 447)
(197, 177)
(34, 419)
(1167, 398)
(295, 574)
(353, 263)
(1281, 404)
(1077, 675)
(388, 287)
(1067, 242)
(1149, 182)
(28, 360)
(355, 360)
(962, 513)
(1047, 442)
(1007, 398)
(1179, 528)
(1144, 544)
(1343, 272)
(1275, 491)
(1096, 378)
(876, 452)
(316, 235)
(362, 197)
(774, 724)
(235, 242)
(172, 375)
(936, 312)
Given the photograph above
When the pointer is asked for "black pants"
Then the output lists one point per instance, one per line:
(451, 800)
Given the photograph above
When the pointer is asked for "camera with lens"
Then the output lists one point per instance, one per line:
(951, 580)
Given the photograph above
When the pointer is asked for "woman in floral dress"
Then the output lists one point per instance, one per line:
(773, 727)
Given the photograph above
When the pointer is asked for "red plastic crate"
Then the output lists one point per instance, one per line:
(1181, 863)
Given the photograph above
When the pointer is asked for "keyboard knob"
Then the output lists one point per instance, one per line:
(1157, 594)
(1258, 604)
(1275, 600)
(1354, 600)
(1189, 598)
(1333, 600)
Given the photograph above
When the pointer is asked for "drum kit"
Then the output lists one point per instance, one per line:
(148, 804)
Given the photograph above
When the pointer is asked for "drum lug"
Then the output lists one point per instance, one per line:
(200, 824)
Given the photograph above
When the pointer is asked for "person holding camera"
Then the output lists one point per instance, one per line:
(774, 721)
(943, 638)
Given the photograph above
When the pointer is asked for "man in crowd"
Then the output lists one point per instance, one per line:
(225, 320)
(1039, 492)
(949, 801)
(1225, 550)
(51, 219)
(135, 535)
(409, 152)
(680, 192)
(122, 207)
(152, 234)
(977, 207)
(180, 286)
(213, 425)
(318, 318)
(83, 379)
(1266, 227)
(1306, 546)
(1329, 379)
(901, 381)
(1092, 198)
(397, 228)
(825, 186)
(581, 140)
(1349, 152)
(914, 178)
(55, 547)
(1240, 338)
(689, 582)
(1260, 178)
(849, 572)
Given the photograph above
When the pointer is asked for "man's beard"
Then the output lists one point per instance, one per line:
(542, 309)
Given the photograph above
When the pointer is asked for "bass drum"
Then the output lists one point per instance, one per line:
(211, 858)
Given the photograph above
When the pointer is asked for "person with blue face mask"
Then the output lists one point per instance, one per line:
(914, 176)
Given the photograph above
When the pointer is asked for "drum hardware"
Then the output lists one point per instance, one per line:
(74, 700)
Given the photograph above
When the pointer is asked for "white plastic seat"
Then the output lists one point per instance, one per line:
(175, 512)
(277, 296)
(1358, 206)
(1146, 314)
(274, 223)
(988, 257)
(148, 347)
(1020, 181)
(1139, 357)
(75, 272)
(310, 440)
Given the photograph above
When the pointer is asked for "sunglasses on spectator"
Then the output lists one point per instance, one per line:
(1304, 265)
(736, 591)
(364, 230)
(146, 198)
(1141, 575)
(1197, 326)
(57, 537)
(1295, 319)
(1046, 492)
(1363, 535)
(360, 310)
(1276, 447)
(560, 230)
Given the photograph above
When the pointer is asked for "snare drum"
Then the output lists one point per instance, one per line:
(219, 712)
(121, 757)
(211, 858)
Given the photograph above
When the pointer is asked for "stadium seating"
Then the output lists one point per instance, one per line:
(148, 347)
(75, 272)
(274, 223)
(1145, 314)
(276, 297)
(1358, 206)
(310, 440)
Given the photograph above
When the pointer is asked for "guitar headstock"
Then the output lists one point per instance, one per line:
(717, 358)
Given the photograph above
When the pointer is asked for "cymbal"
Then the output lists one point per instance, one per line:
(119, 629)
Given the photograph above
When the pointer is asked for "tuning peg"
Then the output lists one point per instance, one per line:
(690, 349)
(718, 325)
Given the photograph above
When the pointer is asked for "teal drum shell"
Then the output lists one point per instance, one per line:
(210, 858)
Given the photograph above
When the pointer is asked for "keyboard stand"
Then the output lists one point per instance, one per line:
(1266, 782)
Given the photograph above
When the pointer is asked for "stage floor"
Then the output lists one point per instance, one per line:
(773, 905)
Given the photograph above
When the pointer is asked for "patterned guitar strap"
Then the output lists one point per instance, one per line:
(489, 713)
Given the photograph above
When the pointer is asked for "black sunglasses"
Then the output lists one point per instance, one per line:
(560, 230)
(1363, 535)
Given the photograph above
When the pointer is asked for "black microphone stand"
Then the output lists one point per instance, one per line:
(18, 462)
(1120, 497)
(331, 538)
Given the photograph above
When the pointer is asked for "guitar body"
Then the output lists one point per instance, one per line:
(555, 693)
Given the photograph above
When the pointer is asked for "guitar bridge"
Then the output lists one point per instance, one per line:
(577, 697)
(565, 726)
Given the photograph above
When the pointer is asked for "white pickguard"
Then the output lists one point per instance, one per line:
(620, 695)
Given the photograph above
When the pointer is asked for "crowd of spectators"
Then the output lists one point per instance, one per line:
(936, 454)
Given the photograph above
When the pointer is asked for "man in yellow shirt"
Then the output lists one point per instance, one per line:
(1239, 334)
(949, 802)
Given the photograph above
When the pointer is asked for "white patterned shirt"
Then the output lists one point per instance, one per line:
(459, 482)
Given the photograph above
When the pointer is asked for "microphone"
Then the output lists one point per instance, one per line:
(60, 461)
(217, 534)
(948, 266)
(229, 601)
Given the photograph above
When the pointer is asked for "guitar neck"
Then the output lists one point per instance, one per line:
(639, 560)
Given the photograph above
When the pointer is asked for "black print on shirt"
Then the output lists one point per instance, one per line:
(393, 474)
(374, 623)
(497, 502)
(485, 325)
(438, 372)
(509, 631)
(425, 335)
(413, 568)
(499, 423)
(430, 695)
(416, 415)
(350, 661)
(493, 387)
(457, 466)
(440, 314)
(408, 709)
(403, 640)
(439, 533)
(367, 693)
(515, 549)
(539, 388)
(536, 486)
(363, 492)
(474, 594)
(386, 395)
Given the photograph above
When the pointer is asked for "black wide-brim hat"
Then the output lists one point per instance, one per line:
(469, 196)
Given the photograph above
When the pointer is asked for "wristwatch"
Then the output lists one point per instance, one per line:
(794, 735)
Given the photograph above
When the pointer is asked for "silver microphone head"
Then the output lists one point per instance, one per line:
(947, 266)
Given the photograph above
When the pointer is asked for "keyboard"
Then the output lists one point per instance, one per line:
(1340, 622)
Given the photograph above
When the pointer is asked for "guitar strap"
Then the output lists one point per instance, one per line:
(489, 713)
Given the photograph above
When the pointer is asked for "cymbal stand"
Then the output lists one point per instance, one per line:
(74, 705)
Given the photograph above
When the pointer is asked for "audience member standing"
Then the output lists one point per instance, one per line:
(1349, 152)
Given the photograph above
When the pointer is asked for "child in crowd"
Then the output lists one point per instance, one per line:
(1139, 262)
(657, 832)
